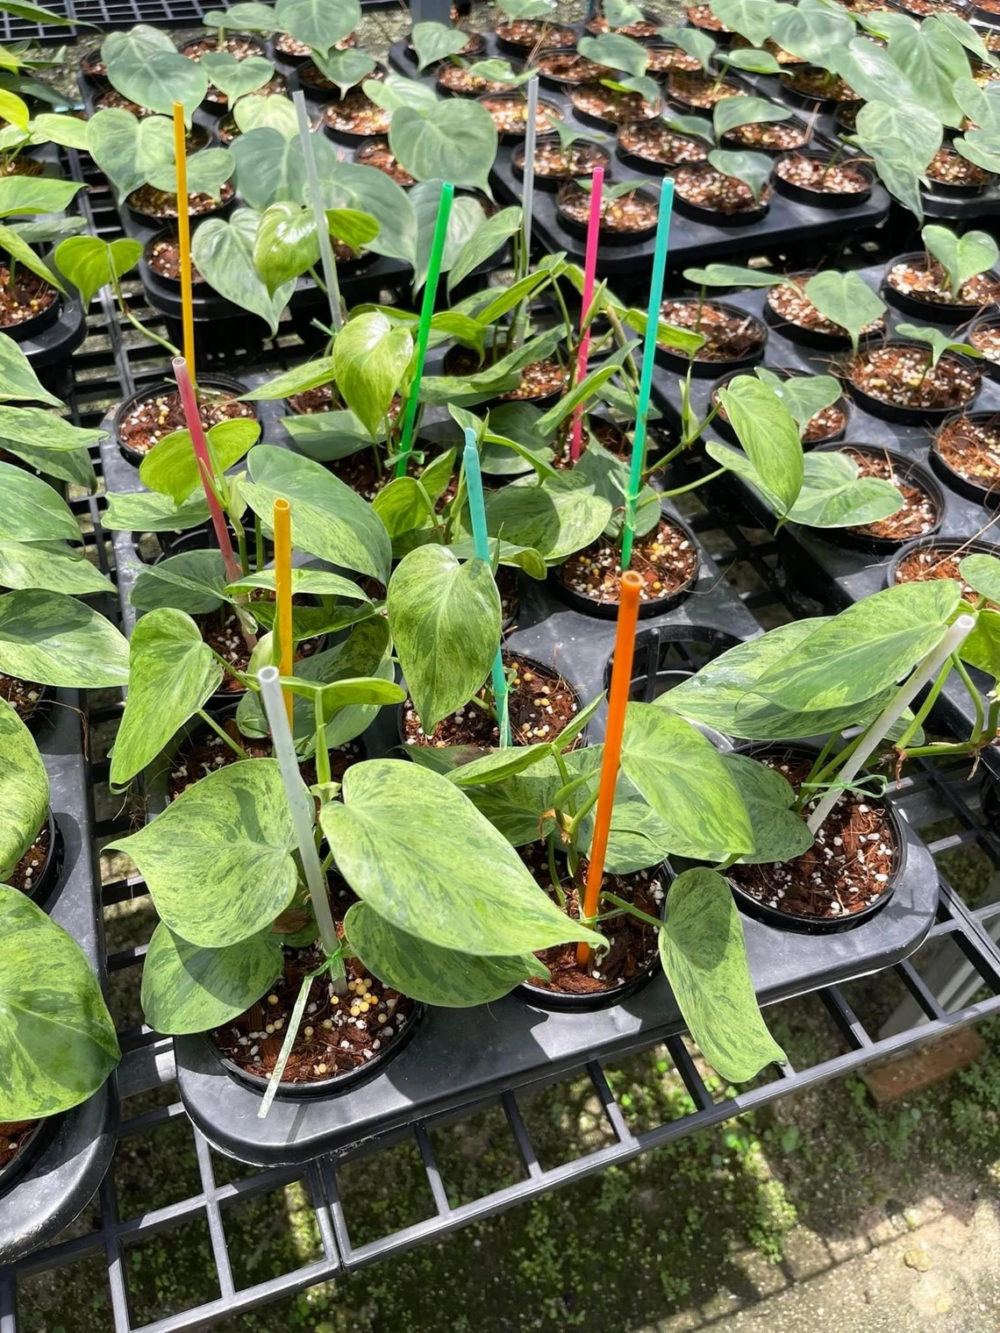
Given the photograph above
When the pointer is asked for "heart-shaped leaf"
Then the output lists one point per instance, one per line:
(810, 31)
(235, 77)
(89, 262)
(982, 572)
(52, 566)
(767, 431)
(847, 300)
(152, 72)
(453, 141)
(555, 519)
(318, 23)
(187, 989)
(368, 190)
(833, 495)
(753, 169)
(270, 168)
(56, 640)
(345, 68)
(171, 467)
(273, 113)
(779, 834)
(24, 789)
(192, 581)
(436, 41)
(752, 19)
(18, 381)
(33, 511)
(370, 357)
(961, 257)
(207, 172)
(223, 252)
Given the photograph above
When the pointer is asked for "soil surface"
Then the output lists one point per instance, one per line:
(337, 1033)
(540, 379)
(556, 163)
(643, 29)
(701, 16)
(819, 84)
(93, 65)
(783, 57)
(700, 89)
(928, 282)
(630, 213)
(24, 696)
(114, 100)
(919, 514)
(972, 448)
(785, 136)
(928, 564)
(25, 874)
(357, 114)
(457, 79)
(704, 187)
(790, 304)
(811, 173)
(28, 296)
(593, 99)
(206, 751)
(729, 335)
(165, 258)
(665, 558)
(540, 705)
(221, 631)
(654, 142)
(22, 166)
(378, 154)
(948, 167)
(13, 1136)
(898, 375)
(533, 32)
(510, 114)
(633, 943)
(160, 204)
(987, 340)
(150, 419)
(662, 59)
(237, 45)
(570, 67)
(846, 870)
(291, 46)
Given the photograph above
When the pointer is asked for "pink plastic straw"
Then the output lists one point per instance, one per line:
(193, 417)
(589, 274)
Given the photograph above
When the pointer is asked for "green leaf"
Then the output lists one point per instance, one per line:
(864, 649)
(64, 464)
(683, 778)
(223, 252)
(328, 519)
(982, 149)
(518, 557)
(486, 240)
(51, 566)
(731, 112)
(616, 52)
(310, 375)
(24, 789)
(464, 222)
(273, 113)
(555, 519)
(64, 130)
(445, 621)
(752, 19)
(418, 853)
(35, 426)
(143, 512)
(436, 41)
(847, 300)
(35, 194)
(270, 168)
(767, 431)
(193, 581)
(188, 989)
(692, 40)
(247, 16)
(453, 141)
(981, 647)
(207, 173)
(779, 834)
(18, 381)
(932, 59)
(447, 978)
(731, 275)
(753, 62)
(938, 342)
(902, 122)
(33, 511)
(171, 467)
(347, 185)
(232, 831)
(833, 495)
(704, 956)
(803, 395)
(55, 640)
(57, 1036)
(811, 31)
(370, 357)
(871, 72)
(318, 23)
(89, 262)
(753, 169)
(14, 109)
(235, 77)
(149, 72)
(19, 250)
(961, 257)
(286, 244)
(172, 674)
(982, 572)
(345, 68)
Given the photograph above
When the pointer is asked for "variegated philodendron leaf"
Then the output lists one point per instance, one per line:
(56, 1034)
(55, 640)
(218, 861)
(419, 853)
(24, 789)
(779, 833)
(188, 989)
(705, 960)
(443, 977)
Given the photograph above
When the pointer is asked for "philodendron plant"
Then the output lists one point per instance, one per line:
(24, 791)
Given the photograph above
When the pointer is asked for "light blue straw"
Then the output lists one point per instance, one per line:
(481, 543)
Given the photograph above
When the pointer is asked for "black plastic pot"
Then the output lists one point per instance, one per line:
(349, 138)
(517, 136)
(715, 217)
(824, 198)
(731, 141)
(604, 123)
(134, 456)
(49, 340)
(704, 369)
(98, 82)
(559, 34)
(543, 402)
(941, 545)
(587, 606)
(957, 481)
(27, 1155)
(555, 82)
(606, 235)
(904, 416)
(724, 428)
(797, 333)
(809, 100)
(906, 469)
(845, 116)
(986, 363)
(950, 313)
(551, 183)
(651, 167)
(954, 190)
(222, 209)
(823, 925)
(48, 876)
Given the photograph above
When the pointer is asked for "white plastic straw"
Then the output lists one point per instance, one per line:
(319, 212)
(926, 672)
(528, 192)
(299, 802)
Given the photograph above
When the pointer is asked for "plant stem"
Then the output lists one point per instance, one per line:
(632, 911)
(146, 333)
(258, 534)
(925, 707)
(323, 773)
(966, 680)
(221, 731)
(693, 485)
(550, 848)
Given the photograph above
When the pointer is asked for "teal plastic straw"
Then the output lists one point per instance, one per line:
(646, 378)
(424, 329)
(481, 542)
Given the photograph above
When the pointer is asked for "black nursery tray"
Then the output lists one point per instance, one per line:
(785, 223)
(824, 566)
(76, 1148)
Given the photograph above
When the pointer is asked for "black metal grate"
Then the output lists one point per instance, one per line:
(108, 365)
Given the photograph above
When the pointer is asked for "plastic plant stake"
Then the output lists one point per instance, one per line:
(589, 274)
(184, 238)
(648, 358)
(528, 192)
(282, 524)
(300, 803)
(621, 677)
(926, 672)
(424, 327)
(192, 416)
(319, 212)
(481, 542)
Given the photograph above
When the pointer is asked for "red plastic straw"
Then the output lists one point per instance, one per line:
(621, 678)
(589, 274)
(192, 416)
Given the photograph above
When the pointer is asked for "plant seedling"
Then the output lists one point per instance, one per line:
(961, 257)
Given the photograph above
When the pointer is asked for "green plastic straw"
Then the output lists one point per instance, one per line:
(424, 330)
(646, 378)
(481, 542)
(316, 197)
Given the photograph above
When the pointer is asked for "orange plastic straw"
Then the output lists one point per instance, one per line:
(621, 678)
(281, 518)
(184, 237)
